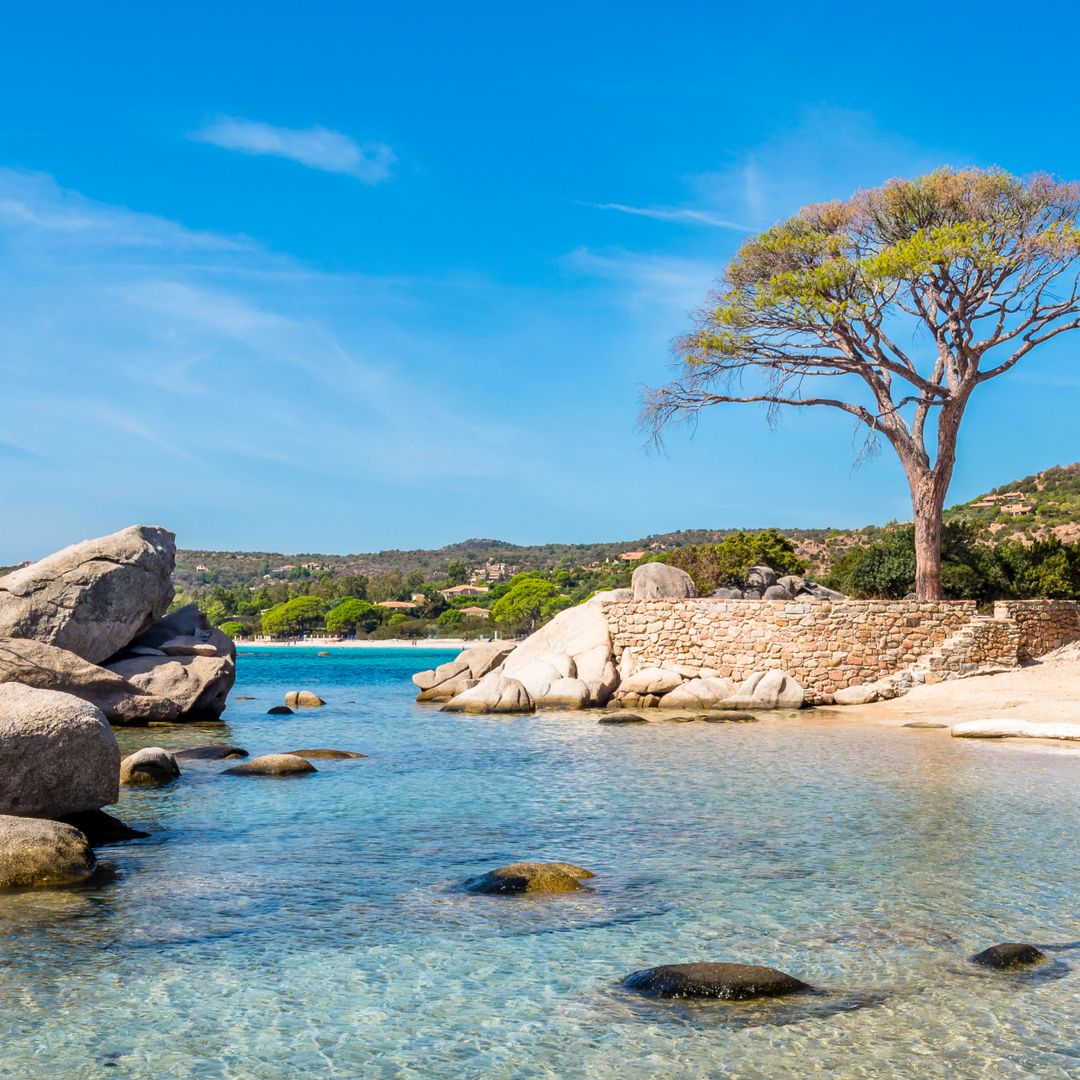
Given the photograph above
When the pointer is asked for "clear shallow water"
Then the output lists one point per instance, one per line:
(310, 926)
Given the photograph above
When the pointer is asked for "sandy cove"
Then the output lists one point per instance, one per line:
(1045, 693)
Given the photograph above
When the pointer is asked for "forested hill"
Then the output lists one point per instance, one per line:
(1039, 506)
(232, 568)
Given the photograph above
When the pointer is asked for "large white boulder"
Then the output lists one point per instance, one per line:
(46, 667)
(651, 680)
(576, 643)
(767, 690)
(657, 581)
(494, 694)
(92, 598)
(58, 755)
(707, 693)
(564, 694)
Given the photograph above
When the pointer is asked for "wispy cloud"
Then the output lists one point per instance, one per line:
(682, 214)
(315, 147)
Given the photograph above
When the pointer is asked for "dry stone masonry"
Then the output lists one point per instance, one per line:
(832, 645)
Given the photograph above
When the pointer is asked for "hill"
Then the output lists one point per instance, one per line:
(1046, 504)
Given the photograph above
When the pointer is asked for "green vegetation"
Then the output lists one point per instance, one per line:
(988, 552)
(972, 569)
(727, 563)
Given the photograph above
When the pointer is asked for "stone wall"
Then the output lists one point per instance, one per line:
(829, 645)
(1044, 624)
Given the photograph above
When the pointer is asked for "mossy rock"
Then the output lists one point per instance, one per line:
(517, 879)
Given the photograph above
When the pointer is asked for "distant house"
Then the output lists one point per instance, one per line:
(476, 612)
(1014, 509)
(419, 598)
(463, 590)
(491, 571)
(286, 568)
(398, 605)
(1003, 500)
(632, 556)
(311, 566)
(200, 569)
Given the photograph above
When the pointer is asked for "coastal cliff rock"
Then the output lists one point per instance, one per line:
(197, 682)
(37, 852)
(656, 581)
(92, 598)
(45, 667)
(58, 755)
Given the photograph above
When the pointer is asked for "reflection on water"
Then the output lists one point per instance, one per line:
(312, 927)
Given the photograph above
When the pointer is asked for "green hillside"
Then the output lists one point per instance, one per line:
(1034, 508)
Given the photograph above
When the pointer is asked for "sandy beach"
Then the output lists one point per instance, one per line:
(414, 645)
(1043, 693)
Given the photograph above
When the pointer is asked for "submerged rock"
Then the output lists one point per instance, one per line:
(151, 766)
(92, 598)
(326, 755)
(529, 877)
(1015, 729)
(212, 752)
(38, 852)
(101, 828)
(303, 698)
(622, 718)
(926, 725)
(58, 754)
(729, 982)
(272, 765)
(1009, 956)
(279, 710)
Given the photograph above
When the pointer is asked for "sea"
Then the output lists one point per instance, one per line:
(316, 926)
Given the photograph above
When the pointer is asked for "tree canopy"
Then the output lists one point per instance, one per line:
(892, 307)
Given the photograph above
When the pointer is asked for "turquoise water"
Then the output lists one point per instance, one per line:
(310, 926)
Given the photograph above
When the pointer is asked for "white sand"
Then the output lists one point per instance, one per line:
(1046, 693)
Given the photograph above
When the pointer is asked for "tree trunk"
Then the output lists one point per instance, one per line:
(927, 500)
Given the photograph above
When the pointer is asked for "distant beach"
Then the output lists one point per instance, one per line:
(367, 643)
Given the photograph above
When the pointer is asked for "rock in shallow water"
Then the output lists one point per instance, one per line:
(152, 766)
(37, 852)
(272, 765)
(617, 718)
(212, 752)
(58, 754)
(325, 755)
(279, 710)
(1009, 956)
(101, 828)
(729, 982)
(529, 877)
(304, 698)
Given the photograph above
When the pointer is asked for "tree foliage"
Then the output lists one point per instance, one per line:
(892, 307)
(352, 614)
(294, 616)
(728, 563)
(530, 601)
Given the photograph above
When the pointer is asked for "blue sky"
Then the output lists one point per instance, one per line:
(353, 276)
